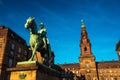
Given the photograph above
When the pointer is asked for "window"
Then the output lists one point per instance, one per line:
(100, 71)
(76, 72)
(19, 50)
(115, 71)
(10, 62)
(110, 71)
(104, 71)
(73, 71)
(106, 78)
(12, 46)
(11, 53)
(88, 71)
(68, 68)
(87, 64)
(112, 78)
(85, 49)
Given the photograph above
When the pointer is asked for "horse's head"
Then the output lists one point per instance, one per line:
(29, 23)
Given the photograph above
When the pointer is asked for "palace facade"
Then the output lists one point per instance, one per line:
(88, 68)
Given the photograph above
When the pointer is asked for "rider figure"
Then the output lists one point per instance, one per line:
(43, 33)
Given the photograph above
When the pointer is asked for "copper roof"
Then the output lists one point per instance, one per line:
(103, 64)
(71, 66)
(108, 64)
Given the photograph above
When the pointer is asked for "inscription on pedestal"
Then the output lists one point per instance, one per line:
(22, 76)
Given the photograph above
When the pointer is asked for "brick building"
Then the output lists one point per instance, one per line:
(12, 50)
(88, 68)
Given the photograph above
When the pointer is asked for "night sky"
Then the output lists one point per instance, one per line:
(62, 19)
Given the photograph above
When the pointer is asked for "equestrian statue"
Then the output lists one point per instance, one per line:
(39, 42)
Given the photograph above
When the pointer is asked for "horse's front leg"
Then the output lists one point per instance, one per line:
(34, 52)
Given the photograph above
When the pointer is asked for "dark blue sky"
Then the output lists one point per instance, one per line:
(62, 18)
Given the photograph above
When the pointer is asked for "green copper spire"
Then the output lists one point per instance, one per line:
(82, 21)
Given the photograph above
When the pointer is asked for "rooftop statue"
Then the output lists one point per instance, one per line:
(38, 41)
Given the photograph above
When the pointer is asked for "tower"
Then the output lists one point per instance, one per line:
(85, 44)
(87, 59)
(118, 49)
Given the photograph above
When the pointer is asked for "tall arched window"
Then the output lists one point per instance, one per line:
(85, 49)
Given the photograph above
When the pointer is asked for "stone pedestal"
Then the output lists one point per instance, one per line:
(33, 71)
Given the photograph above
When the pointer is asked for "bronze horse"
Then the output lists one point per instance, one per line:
(36, 42)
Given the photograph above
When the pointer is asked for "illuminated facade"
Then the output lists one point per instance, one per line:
(88, 68)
